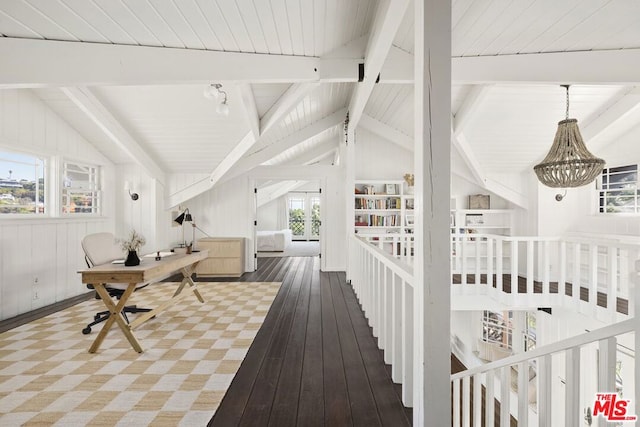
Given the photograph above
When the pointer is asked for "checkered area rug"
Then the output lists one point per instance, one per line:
(192, 352)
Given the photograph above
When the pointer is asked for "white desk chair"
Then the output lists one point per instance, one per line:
(101, 248)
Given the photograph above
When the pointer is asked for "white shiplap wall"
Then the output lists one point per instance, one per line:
(46, 248)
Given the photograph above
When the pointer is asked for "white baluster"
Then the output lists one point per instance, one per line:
(505, 396)
(572, 394)
(407, 344)
(612, 285)
(477, 400)
(544, 390)
(562, 279)
(490, 404)
(456, 403)
(593, 278)
(466, 401)
(396, 368)
(523, 394)
(530, 268)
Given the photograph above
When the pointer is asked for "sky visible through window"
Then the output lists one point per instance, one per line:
(21, 166)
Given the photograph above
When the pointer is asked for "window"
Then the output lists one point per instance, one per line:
(22, 183)
(497, 327)
(80, 189)
(618, 192)
(530, 331)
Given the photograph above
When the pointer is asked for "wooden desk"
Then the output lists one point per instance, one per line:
(148, 271)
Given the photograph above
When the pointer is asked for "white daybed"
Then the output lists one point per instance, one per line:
(273, 241)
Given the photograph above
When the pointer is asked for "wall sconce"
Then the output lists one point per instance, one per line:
(214, 91)
(127, 187)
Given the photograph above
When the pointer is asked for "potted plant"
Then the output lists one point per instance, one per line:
(409, 179)
(131, 245)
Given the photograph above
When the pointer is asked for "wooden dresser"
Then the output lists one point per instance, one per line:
(226, 257)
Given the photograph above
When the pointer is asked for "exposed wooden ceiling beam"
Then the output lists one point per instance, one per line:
(388, 19)
(280, 189)
(469, 107)
(480, 177)
(255, 159)
(250, 109)
(34, 63)
(585, 67)
(315, 153)
(287, 102)
(387, 132)
(595, 131)
(95, 111)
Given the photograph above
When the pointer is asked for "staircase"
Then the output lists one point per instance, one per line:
(587, 276)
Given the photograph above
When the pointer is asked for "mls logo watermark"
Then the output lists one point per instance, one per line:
(612, 408)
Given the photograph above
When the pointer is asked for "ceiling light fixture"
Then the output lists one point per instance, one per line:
(568, 164)
(214, 91)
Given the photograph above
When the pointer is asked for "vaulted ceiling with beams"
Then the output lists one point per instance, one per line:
(129, 75)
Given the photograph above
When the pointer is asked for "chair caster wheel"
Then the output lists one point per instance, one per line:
(86, 331)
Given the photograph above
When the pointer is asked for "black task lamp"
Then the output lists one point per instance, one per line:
(186, 217)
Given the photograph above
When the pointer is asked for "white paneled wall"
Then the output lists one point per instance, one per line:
(46, 249)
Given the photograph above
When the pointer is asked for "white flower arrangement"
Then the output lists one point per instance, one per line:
(134, 242)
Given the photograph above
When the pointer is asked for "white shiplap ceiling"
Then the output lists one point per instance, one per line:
(505, 125)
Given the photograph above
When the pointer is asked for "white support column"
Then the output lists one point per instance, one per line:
(432, 294)
(347, 158)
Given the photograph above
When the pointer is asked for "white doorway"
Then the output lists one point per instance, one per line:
(293, 206)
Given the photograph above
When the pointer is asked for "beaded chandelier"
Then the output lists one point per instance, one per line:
(568, 164)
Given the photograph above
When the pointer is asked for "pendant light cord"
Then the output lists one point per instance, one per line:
(567, 88)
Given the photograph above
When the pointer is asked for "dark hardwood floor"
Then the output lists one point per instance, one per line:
(314, 361)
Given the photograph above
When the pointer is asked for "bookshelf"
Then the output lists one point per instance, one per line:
(383, 214)
(465, 223)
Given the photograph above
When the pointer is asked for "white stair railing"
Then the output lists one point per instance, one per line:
(540, 413)
(589, 276)
(384, 287)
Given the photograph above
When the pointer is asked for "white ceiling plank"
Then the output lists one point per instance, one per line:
(100, 21)
(75, 25)
(251, 161)
(287, 102)
(151, 19)
(250, 109)
(56, 63)
(388, 19)
(589, 67)
(253, 23)
(234, 20)
(198, 25)
(100, 115)
(129, 22)
(36, 21)
(469, 107)
(387, 132)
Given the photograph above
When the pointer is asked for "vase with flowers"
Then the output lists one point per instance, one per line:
(409, 179)
(131, 246)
